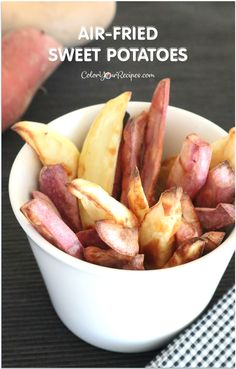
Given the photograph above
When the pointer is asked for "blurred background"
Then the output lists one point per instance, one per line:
(33, 336)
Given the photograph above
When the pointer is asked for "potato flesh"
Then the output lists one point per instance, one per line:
(190, 226)
(50, 146)
(166, 166)
(156, 235)
(99, 205)
(224, 149)
(100, 149)
(136, 197)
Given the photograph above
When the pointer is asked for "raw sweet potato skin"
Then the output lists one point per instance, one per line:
(25, 66)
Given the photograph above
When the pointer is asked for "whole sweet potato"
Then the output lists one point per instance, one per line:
(25, 66)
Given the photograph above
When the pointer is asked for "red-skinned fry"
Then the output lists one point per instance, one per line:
(156, 235)
(219, 187)
(90, 237)
(50, 226)
(52, 182)
(131, 150)
(190, 225)
(213, 240)
(136, 263)
(212, 219)
(112, 259)
(136, 197)
(154, 138)
(191, 166)
(121, 239)
(189, 250)
(42, 196)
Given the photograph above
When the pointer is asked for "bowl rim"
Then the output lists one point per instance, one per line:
(83, 265)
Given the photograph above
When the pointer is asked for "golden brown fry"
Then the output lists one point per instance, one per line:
(224, 149)
(136, 263)
(190, 250)
(158, 228)
(121, 239)
(164, 173)
(154, 139)
(190, 225)
(90, 237)
(100, 149)
(99, 205)
(136, 197)
(112, 259)
(213, 239)
(50, 146)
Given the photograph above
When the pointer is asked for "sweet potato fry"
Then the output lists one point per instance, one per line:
(154, 138)
(190, 250)
(98, 157)
(42, 196)
(50, 226)
(216, 218)
(117, 185)
(136, 263)
(219, 187)
(136, 197)
(50, 146)
(112, 259)
(116, 190)
(190, 226)
(131, 150)
(90, 237)
(52, 182)
(166, 166)
(224, 149)
(191, 166)
(156, 235)
(99, 205)
(213, 240)
(121, 239)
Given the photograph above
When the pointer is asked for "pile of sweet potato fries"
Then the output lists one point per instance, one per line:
(116, 204)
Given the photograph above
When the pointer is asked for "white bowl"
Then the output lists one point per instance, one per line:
(121, 310)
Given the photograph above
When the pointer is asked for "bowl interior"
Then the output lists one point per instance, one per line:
(75, 125)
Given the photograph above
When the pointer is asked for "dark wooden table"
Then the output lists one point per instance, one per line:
(33, 336)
